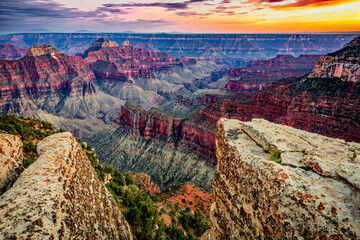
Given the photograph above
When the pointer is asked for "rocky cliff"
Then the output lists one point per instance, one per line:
(60, 197)
(11, 52)
(259, 74)
(160, 127)
(343, 64)
(47, 81)
(277, 182)
(166, 148)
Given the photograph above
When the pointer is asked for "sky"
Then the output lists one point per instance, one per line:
(188, 16)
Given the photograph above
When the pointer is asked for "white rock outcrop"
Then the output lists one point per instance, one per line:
(60, 197)
(311, 192)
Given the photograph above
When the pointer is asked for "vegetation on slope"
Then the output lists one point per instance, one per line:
(30, 131)
(152, 216)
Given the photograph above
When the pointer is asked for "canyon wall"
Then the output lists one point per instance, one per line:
(259, 74)
(277, 182)
(11, 52)
(60, 197)
(166, 148)
(343, 64)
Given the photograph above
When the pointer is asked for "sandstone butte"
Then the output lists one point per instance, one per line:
(59, 196)
(312, 193)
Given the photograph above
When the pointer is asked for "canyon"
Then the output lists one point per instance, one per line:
(170, 127)
(231, 48)
(328, 106)
(308, 189)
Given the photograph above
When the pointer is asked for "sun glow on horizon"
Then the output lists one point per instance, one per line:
(202, 16)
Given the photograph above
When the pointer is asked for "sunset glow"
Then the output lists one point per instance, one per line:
(202, 16)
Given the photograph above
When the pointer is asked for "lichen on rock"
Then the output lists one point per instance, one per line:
(11, 160)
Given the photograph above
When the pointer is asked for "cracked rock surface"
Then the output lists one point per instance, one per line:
(60, 197)
(312, 193)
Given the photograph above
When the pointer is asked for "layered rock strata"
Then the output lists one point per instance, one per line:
(60, 197)
(11, 160)
(11, 52)
(311, 190)
(343, 64)
(259, 74)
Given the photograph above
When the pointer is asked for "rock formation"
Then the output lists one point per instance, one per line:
(160, 127)
(11, 52)
(277, 182)
(142, 76)
(168, 149)
(343, 64)
(60, 197)
(257, 75)
(11, 160)
(47, 81)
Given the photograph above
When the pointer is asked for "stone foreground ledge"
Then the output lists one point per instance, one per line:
(313, 193)
(60, 197)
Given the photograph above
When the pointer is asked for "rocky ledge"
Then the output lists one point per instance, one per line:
(60, 197)
(277, 182)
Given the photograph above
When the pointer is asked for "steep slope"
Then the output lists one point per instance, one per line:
(11, 52)
(256, 75)
(343, 64)
(60, 196)
(307, 187)
(166, 148)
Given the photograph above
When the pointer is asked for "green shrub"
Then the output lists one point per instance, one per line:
(275, 155)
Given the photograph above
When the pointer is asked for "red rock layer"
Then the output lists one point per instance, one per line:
(11, 52)
(160, 127)
(143, 181)
(44, 71)
(258, 74)
(326, 106)
(113, 63)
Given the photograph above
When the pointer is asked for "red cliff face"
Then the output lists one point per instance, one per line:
(160, 127)
(258, 74)
(11, 52)
(44, 71)
(110, 62)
